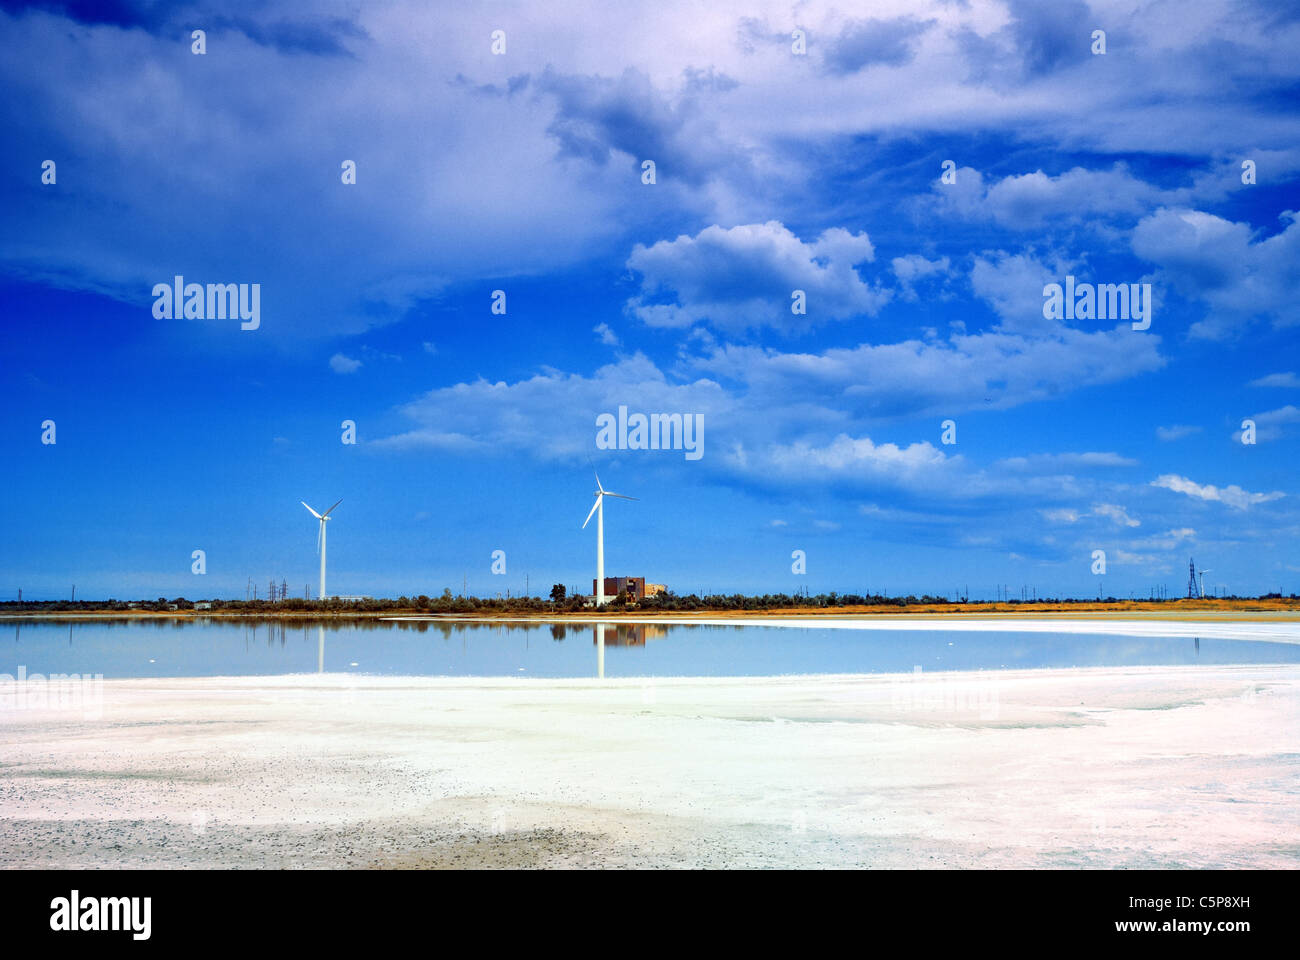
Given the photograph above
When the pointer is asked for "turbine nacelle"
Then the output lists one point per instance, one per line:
(600, 494)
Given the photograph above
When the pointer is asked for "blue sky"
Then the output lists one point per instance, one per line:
(774, 171)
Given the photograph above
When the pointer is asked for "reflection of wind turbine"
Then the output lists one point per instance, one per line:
(598, 508)
(320, 541)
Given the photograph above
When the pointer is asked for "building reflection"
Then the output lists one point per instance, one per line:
(619, 635)
(632, 634)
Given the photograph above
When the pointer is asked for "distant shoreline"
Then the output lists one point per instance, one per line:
(1252, 610)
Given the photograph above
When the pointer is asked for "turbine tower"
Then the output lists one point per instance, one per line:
(598, 508)
(320, 541)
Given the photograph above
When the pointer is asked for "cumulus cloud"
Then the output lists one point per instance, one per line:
(797, 440)
(743, 277)
(1032, 201)
(340, 363)
(912, 269)
(855, 456)
(552, 414)
(1013, 285)
(1232, 495)
(1222, 263)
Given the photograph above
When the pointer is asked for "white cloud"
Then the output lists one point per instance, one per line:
(1013, 286)
(605, 334)
(1059, 461)
(1287, 380)
(1268, 425)
(1032, 201)
(851, 456)
(743, 278)
(1169, 540)
(913, 268)
(1221, 263)
(1116, 513)
(740, 130)
(1137, 559)
(879, 382)
(1062, 515)
(553, 414)
(344, 364)
(1232, 495)
(1176, 432)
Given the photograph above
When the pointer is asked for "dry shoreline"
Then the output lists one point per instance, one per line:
(1107, 767)
(1243, 611)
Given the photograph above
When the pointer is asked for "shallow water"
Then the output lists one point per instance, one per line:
(199, 648)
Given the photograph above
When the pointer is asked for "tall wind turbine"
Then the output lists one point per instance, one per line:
(598, 508)
(320, 541)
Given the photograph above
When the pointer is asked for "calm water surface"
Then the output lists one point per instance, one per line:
(200, 648)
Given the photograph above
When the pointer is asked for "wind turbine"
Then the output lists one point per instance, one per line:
(598, 508)
(320, 541)
(1201, 586)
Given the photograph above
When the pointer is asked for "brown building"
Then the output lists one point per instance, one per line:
(635, 587)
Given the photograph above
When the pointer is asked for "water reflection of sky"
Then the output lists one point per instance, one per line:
(217, 648)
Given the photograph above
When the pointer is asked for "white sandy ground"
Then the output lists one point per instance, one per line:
(1114, 767)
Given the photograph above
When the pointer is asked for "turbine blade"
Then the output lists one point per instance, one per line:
(320, 532)
(599, 488)
(593, 511)
(336, 503)
(310, 510)
(620, 496)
